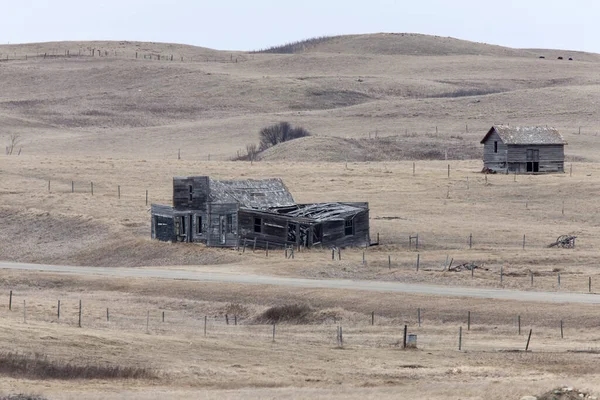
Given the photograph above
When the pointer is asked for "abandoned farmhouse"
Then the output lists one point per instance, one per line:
(226, 213)
(530, 149)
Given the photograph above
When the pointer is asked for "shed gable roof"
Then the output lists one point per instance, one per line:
(259, 194)
(527, 135)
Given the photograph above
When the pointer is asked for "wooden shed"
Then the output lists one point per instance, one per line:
(225, 213)
(523, 150)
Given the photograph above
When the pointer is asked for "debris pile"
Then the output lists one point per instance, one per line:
(468, 266)
(563, 393)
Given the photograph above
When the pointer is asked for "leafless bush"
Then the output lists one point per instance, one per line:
(279, 133)
(38, 366)
(294, 313)
(13, 141)
(251, 151)
(22, 396)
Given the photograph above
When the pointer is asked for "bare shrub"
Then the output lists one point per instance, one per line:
(236, 309)
(279, 133)
(21, 396)
(251, 151)
(291, 313)
(13, 141)
(38, 366)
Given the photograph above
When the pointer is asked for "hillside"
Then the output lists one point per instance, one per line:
(213, 103)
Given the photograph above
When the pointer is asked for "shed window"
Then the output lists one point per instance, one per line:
(229, 223)
(199, 224)
(349, 227)
(258, 225)
(495, 147)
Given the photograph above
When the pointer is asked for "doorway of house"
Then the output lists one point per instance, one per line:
(533, 160)
(222, 229)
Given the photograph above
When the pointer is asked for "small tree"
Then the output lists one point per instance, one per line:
(251, 151)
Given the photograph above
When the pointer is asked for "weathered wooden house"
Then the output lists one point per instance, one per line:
(225, 213)
(523, 149)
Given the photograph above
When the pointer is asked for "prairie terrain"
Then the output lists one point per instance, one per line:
(375, 104)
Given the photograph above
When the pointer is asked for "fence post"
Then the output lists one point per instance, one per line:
(235, 319)
(460, 338)
(419, 316)
(589, 284)
(561, 329)
(469, 321)
(418, 261)
(448, 170)
(531, 274)
(48, 185)
(372, 318)
(163, 317)
(389, 262)
(519, 323)
(559, 280)
(92, 187)
(363, 259)
(146, 196)
(10, 301)
(205, 320)
(528, 340)
(24, 312)
(470, 240)
(107, 315)
(72, 187)
(58, 311)
(501, 274)
(119, 191)
(333, 254)
(267, 250)
(79, 323)
(523, 242)
(405, 335)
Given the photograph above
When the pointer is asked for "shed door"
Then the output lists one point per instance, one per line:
(222, 228)
(533, 160)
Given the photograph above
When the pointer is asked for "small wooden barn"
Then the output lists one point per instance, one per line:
(523, 150)
(225, 213)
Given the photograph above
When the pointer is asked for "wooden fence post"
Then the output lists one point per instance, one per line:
(235, 320)
(72, 187)
(590, 284)
(460, 338)
(267, 250)
(519, 323)
(107, 315)
(558, 280)
(205, 321)
(24, 312)
(523, 242)
(418, 261)
(561, 329)
(405, 336)
(363, 259)
(119, 191)
(501, 274)
(58, 311)
(146, 196)
(419, 316)
(372, 318)
(470, 240)
(389, 262)
(469, 320)
(448, 171)
(163, 317)
(226, 319)
(528, 340)
(10, 301)
(79, 323)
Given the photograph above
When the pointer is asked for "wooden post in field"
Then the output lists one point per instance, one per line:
(558, 280)
(79, 323)
(470, 240)
(332, 254)
(561, 329)
(273, 331)
(389, 262)
(448, 171)
(405, 336)
(163, 316)
(92, 187)
(590, 284)
(469, 320)
(267, 250)
(523, 242)
(363, 259)
(48, 185)
(226, 319)
(460, 338)
(58, 311)
(24, 312)
(413, 169)
(10, 301)
(531, 274)
(146, 196)
(205, 321)
(519, 323)
(119, 191)
(107, 315)
(244, 248)
(528, 340)
(148, 322)
(72, 187)
(501, 274)
(419, 316)
(418, 261)
(372, 318)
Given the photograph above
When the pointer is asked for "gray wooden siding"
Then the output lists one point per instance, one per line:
(334, 232)
(492, 159)
(214, 230)
(273, 228)
(200, 186)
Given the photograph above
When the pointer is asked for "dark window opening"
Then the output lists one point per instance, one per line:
(199, 224)
(258, 225)
(191, 194)
(317, 233)
(495, 147)
(349, 227)
(229, 223)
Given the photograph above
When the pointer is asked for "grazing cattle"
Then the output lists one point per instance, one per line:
(560, 58)
(542, 57)
(570, 58)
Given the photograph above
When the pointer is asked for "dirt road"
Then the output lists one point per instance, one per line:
(373, 286)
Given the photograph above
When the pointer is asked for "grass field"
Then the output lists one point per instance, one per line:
(378, 106)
